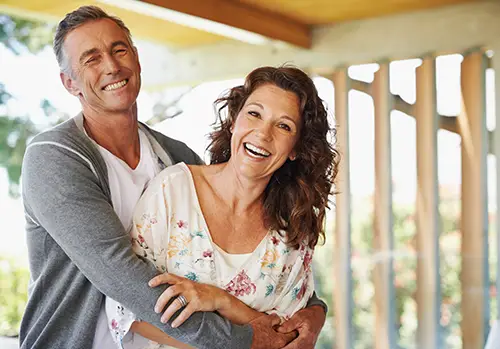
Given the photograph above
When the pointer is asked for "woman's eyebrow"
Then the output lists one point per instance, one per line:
(257, 104)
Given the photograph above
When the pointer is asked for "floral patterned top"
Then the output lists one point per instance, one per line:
(170, 230)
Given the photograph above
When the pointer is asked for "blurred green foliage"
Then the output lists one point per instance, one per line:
(19, 36)
(14, 279)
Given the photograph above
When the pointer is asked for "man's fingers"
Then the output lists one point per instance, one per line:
(290, 336)
(275, 320)
(165, 297)
(287, 326)
(165, 278)
(183, 316)
(293, 345)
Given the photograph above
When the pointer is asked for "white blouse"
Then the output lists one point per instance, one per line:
(170, 230)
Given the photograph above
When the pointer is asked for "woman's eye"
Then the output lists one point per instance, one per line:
(91, 60)
(285, 127)
(254, 113)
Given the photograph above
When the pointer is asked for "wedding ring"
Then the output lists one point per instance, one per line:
(182, 300)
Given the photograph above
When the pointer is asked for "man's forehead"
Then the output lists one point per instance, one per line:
(98, 34)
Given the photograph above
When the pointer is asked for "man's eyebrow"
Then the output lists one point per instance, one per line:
(88, 53)
(119, 43)
(95, 50)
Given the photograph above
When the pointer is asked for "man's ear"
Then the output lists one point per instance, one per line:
(69, 84)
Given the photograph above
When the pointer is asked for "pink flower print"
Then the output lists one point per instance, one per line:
(241, 285)
(302, 290)
(307, 260)
(140, 238)
(114, 324)
(275, 240)
(153, 220)
(182, 224)
(207, 254)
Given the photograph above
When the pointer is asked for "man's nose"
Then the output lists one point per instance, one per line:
(111, 65)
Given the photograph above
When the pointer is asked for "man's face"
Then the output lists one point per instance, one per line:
(105, 70)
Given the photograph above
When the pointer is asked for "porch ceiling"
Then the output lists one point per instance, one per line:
(142, 26)
(289, 21)
(314, 12)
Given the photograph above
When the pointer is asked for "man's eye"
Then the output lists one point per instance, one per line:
(121, 51)
(90, 60)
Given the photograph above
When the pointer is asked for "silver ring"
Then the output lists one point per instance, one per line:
(182, 300)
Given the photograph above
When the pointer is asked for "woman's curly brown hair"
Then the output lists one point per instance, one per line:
(296, 198)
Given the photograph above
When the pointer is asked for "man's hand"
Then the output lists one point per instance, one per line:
(308, 323)
(264, 335)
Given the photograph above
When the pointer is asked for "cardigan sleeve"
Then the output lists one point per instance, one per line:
(63, 195)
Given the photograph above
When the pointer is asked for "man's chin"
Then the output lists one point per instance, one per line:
(120, 106)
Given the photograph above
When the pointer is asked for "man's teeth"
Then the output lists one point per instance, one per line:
(256, 150)
(116, 85)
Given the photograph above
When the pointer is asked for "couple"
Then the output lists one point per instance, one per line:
(212, 256)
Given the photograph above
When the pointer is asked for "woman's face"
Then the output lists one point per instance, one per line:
(265, 132)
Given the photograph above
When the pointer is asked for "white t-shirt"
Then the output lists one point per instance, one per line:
(126, 185)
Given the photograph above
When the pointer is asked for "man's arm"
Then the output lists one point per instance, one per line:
(314, 300)
(63, 195)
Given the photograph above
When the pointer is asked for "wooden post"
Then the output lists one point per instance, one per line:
(383, 221)
(472, 126)
(343, 299)
(428, 279)
(496, 152)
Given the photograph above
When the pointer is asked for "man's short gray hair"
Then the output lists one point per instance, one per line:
(71, 21)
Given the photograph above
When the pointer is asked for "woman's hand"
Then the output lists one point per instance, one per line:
(199, 297)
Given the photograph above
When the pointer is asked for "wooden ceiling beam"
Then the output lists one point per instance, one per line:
(244, 17)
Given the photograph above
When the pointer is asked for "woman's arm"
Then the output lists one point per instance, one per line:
(199, 297)
(235, 310)
(227, 306)
(231, 308)
(153, 333)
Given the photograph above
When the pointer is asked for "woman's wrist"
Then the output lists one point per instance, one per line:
(224, 300)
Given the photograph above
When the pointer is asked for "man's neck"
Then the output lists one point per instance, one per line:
(118, 133)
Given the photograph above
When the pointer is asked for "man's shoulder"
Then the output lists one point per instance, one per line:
(166, 140)
(178, 150)
(63, 133)
(63, 140)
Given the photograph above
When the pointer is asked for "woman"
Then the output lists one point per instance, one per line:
(238, 236)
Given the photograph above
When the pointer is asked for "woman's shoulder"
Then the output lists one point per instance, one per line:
(174, 176)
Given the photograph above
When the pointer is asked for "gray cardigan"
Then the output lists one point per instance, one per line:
(79, 250)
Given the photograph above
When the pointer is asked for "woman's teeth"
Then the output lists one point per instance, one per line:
(256, 150)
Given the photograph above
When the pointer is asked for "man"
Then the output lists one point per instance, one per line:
(81, 181)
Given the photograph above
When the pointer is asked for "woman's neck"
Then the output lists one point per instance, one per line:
(241, 195)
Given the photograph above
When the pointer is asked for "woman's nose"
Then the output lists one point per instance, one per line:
(265, 131)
